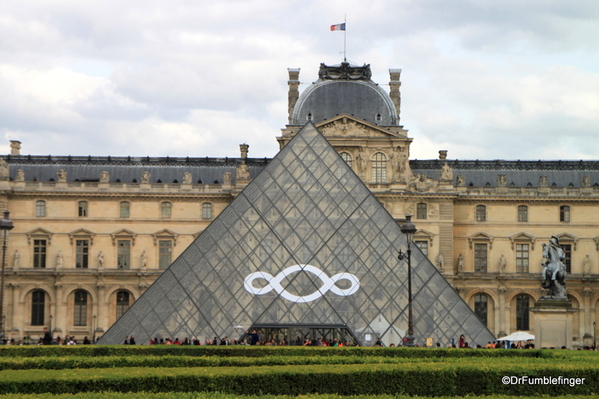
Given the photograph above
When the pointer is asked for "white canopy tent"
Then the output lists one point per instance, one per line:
(518, 336)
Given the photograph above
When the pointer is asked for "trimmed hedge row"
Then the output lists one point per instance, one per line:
(253, 351)
(211, 395)
(422, 379)
(81, 362)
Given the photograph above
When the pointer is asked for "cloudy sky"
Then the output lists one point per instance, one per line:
(507, 79)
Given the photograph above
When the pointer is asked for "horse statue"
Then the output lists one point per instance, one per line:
(553, 276)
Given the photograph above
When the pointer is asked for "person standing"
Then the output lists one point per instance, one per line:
(47, 340)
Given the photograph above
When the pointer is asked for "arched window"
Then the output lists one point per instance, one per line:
(522, 312)
(347, 158)
(522, 213)
(481, 307)
(481, 213)
(379, 168)
(38, 307)
(421, 209)
(207, 210)
(122, 303)
(82, 209)
(124, 210)
(564, 213)
(80, 309)
(165, 209)
(40, 209)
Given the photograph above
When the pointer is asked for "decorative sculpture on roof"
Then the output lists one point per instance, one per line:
(446, 172)
(62, 176)
(20, 175)
(501, 181)
(553, 276)
(104, 177)
(145, 177)
(543, 181)
(227, 176)
(4, 173)
(242, 172)
(186, 178)
(460, 181)
(345, 71)
(586, 181)
(422, 182)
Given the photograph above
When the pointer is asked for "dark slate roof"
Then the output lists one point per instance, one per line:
(127, 169)
(327, 99)
(518, 173)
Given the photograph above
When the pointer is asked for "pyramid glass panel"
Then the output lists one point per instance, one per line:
(304, 246)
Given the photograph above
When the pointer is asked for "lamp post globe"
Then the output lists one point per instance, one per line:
(6, 226)
(408, 229)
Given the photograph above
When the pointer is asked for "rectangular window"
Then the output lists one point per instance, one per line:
(564, 213)
(38, 304)
(567, 248)
(522, 258)
(124, 209)
(124, 254)
(166, 253)
(480, 258)
(523, 213)
(421, 210)
(82, 208)
(82, 254)
(40, 209)
(39, 253)
(423, 245)
(481, 213)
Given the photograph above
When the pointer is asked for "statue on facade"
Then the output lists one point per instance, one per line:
(186, 178)
(144, 260)
(501, 180)
(446, 172)
(62, 176)
(586, 181)
(59, 260)
(16, 263)
(460, 263)
(361, 160)
(100, 260)
(104, 177)
(439, 261)
(227, 176)
(145, 177)
(460, 181)
(502, 264)
(543, 182)
(553, 276)
(243, 172)
(586, 265)
(20, 175)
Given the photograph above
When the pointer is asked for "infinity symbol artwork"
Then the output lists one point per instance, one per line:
(274, 283)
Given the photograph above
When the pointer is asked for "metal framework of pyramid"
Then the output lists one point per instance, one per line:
(305, 243)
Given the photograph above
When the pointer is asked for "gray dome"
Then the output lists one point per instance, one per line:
(330, 98)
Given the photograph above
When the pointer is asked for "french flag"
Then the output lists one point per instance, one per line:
(338, 27)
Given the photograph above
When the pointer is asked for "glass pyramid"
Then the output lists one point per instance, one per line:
(305, 243)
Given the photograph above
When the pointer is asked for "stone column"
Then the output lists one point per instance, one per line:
(56, 311)
(293, 95)
(394, 84)
(502, 328)
(15, 309)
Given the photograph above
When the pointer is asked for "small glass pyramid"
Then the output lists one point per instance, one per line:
(304, 244)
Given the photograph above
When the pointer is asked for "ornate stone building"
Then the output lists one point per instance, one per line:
(92, 233)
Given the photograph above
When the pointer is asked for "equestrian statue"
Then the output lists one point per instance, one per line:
(553, 276)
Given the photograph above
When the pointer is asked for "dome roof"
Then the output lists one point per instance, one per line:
(338, 94)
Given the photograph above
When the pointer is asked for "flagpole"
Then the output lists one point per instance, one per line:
(345, 39)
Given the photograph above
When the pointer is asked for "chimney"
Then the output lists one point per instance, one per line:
(15, 147)
(244, 148)
(293, 90)
(442, 154)
(394, 93)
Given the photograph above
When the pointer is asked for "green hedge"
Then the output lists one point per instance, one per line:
(419, 378)
(253, 351)
(210, 395)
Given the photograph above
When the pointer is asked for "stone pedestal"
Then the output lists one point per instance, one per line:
(553, 323)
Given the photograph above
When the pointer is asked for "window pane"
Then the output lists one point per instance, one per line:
(39, 253)
(206, 211)
(523, 213)
(347, 158)
(481, 213)
(122, 303)
(124, 209)
(480, 257)
(421, 211)
(166, 251)
(522, 313)
(564, 213)
(480, 307)
(522, 258)
(38, 303)
(166, 209)
(82, 256)
(423, 245)
(40, 208)
(80, 310)
(82, 208)
(567, 248)
(379, 168)
(124, 254)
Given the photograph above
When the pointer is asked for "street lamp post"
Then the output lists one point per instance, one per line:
(408, 228)
(594, 335)
(5, 226)
(94, 329)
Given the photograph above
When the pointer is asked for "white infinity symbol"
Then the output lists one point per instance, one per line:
(274, 283)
